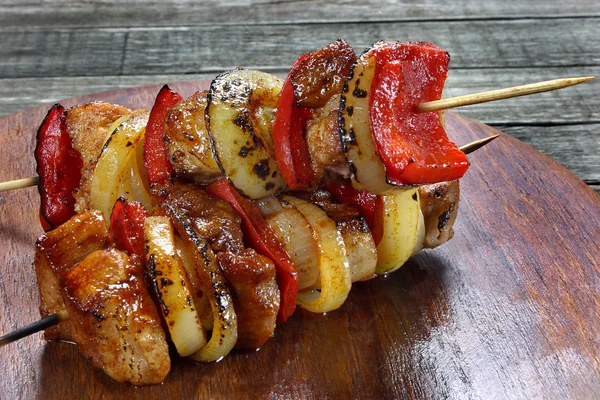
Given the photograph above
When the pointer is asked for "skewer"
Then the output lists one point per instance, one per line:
(500, 94)
(19, 183)
(37, 326)
(62, 316)
(471, 147)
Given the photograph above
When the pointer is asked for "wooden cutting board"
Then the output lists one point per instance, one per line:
(509, 308)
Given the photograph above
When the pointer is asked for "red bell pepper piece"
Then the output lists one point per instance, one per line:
(59, 168)
(413, 146)
(158, 166)
(127, 226)
(291, 151)
(261, 237)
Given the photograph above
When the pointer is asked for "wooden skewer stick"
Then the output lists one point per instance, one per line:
(37, 326)
(471, 147)
(19, 183)
(61, 316)
(500, 94)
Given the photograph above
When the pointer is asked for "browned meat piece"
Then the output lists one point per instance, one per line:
(57, 252)
(88, 126)
(115, 321)
(51, 301)
(70, 243)
(322, 74)
(256, 295)
(188, 144)
(212, 219)
(323, 141)
(360, 247)
(439, 205)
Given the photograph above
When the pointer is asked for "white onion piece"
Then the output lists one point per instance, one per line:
(403, 229)
(111, 168)
(269, 205)
(210, 279)
(368, 170)
(138, 178)
(172, 286)
(333, 262)
(293, 231)
(200, 299)
(240, 112)
(362, 253)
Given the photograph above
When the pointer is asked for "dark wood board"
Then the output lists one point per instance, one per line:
(509, 308)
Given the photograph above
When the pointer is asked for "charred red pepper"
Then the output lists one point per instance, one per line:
(260, 236)
(59, 168)
(158, 166)
(291, 151)
(127, 226)
(413, 146)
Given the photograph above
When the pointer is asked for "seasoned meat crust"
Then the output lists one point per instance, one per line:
(256, 295)
(212, 219)
(439, 205)
(57, 252)
(188, 144)
(87, 126)
(322, 75)
(116, 324)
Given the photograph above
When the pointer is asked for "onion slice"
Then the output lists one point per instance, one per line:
(172, 287)
(111, 178)
(240, 113)
(212, 282)
(403, 229)
(293, 231)
(333, 262)
(368, 172)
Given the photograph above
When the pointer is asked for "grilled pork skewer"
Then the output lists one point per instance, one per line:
(239, 103)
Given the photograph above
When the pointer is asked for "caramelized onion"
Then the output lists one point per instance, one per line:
(112, 175)
(333, 262)
(172, 287)
(294, 232)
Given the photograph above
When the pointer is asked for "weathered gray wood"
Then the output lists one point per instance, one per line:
(57, 13)
(37, 52)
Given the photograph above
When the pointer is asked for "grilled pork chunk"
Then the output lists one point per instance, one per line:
(88, 125)
(188, 144)
(115, 321)
(256, 295)
(57, 252)
(323, 141)
(439, 205)
(212, 219)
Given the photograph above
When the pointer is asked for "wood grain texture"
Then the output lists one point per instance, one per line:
(510, 308)
(58, 52)
(60, 13)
